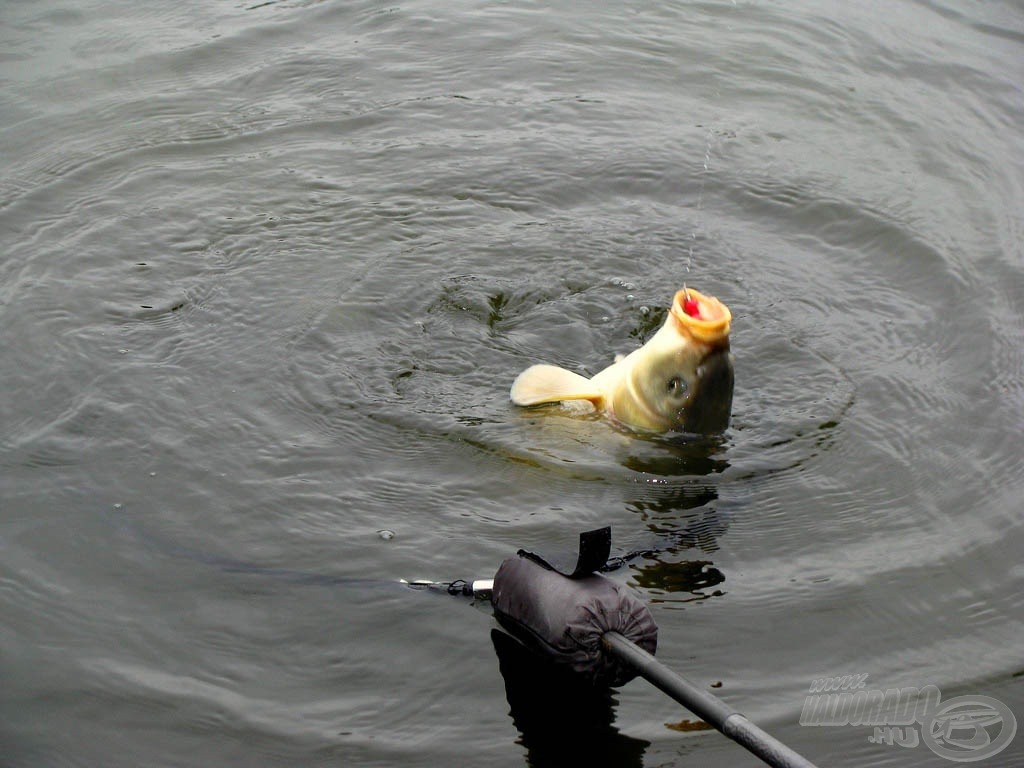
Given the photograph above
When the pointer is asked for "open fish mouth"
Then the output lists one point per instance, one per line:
(710, 406)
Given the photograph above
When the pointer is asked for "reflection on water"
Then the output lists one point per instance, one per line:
(675, 456)
(679, 582)
(562, 720)
(679, 510)
(680, 521)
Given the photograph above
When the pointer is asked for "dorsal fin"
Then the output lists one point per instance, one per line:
(551, 384)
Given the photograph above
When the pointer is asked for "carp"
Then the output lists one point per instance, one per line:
(680, 380)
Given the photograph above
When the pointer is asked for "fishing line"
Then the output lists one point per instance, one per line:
(700, 198)
(168, 547)
(477, 589)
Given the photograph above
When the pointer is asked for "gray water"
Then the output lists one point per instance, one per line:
(269, 269)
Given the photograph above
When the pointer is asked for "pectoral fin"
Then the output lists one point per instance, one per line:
(551, 384)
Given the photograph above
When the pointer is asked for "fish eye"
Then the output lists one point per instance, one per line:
(676, 386)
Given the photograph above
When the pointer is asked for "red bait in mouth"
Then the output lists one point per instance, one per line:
(691, 307)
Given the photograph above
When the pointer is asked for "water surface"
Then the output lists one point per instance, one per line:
(268, 270)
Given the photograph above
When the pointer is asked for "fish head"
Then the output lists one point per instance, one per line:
(682, 379)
